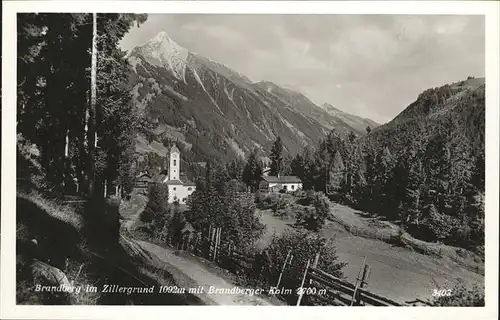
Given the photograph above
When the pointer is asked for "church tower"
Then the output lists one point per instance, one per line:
(175, 164)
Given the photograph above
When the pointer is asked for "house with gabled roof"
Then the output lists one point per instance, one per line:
(142, 182)
(278, 183)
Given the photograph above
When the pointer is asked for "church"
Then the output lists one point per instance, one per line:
(177, 190)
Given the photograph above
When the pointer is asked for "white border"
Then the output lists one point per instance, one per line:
(9, 310)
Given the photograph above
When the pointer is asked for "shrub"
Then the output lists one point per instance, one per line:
(157, 202)
(268, 201)
(291, 211)
(440, 226)
(305, 198)
(313, 217)
(259, 197)
(282, 213)
(398, 239)
(304, 246)
(298, 194)
(231, 208)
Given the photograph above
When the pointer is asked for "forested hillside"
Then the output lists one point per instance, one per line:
(214, 112)
(424, 169)
(56, 114)
(77, 128)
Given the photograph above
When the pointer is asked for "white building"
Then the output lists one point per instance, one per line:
(177, 190)
(277, 183)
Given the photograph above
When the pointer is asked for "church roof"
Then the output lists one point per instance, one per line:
(282, 179)
(174, 149)
(174, 182)
(159, 178)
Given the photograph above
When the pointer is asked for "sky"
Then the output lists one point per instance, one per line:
(373, 66)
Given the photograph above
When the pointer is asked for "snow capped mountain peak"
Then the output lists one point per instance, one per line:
(165, 52)
(161, 36)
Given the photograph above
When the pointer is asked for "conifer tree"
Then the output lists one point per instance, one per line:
(157, 205)
(302, 166)
(235, 169)
(297, 165)
(336, 172)
(276, 157)
(383, 179)
(53, 92)
(414, 191)
(253, 171)
(286, 166)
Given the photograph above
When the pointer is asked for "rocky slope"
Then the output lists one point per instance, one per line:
(357, 122)
(214, 112)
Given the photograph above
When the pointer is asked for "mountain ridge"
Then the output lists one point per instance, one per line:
(453, 115)
(355, 121)
(215, 112)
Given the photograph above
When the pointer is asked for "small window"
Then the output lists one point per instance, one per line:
(189, 189)
(175, 162)
(284, 187)
(175, 188)
(293, 187)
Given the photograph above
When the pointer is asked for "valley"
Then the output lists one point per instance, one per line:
(212, 105)
(397, 273)
(159, 166)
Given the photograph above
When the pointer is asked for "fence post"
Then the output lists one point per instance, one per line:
(315, 264)
(366, 276)
(220, 240)
(214, 252)
(217, 243)
(316, 260)
(364, 280)
(301, 292)
(358, 281)
(210, 249)
(283, 268)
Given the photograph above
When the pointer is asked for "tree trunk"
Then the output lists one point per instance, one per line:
(91, 135)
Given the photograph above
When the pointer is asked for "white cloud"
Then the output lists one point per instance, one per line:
(381, 63)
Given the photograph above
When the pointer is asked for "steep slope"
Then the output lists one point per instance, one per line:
(300, 103)
(441, 137)
(356, 122)
(456, 112)
(214, 112)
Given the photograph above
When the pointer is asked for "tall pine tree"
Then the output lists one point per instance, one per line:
(276, 157)
(252, 172)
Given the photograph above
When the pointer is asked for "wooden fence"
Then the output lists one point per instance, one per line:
(341, 292)
(318, 287)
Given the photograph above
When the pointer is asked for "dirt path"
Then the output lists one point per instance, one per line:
(205, 278)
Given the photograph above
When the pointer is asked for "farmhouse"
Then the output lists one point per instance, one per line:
(277, 183)
(142, 182)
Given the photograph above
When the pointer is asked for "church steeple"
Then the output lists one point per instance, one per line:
(175, 165)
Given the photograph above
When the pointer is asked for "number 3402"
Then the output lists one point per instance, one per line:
(441, 292)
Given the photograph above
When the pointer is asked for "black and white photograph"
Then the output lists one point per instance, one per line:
(251, 159)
